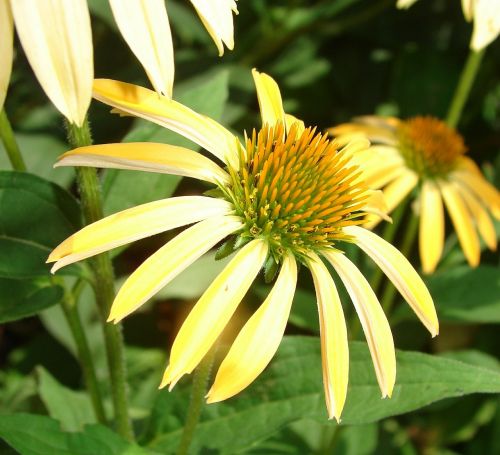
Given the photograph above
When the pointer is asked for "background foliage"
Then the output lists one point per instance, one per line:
(333, 59)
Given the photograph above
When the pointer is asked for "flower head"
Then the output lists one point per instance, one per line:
(286, 195)
(423, 153)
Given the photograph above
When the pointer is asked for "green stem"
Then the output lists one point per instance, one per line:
(198, 391)
(462, 91)
(10, 143)
(407, 243)
(90, 195)
(85, 357)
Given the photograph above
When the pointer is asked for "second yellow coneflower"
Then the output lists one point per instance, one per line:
(284, 196)
(423, 153)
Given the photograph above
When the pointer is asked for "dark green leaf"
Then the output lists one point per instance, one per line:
(291, 389)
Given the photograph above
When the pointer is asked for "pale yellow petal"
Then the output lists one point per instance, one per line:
(402, 274)
(217, 17)
(375, 325)
(290, 120)
(468, 9)
(6, 47)
(145, 27)
(431, 229)
(147, 104)
(480, 215)
(482, 189)
(333, 334)
(258, 340)
(405, 4)
(462, 222)
(212, 312)
(136, 223)
(486, 23)
(395, 193)
(376, 205)
(57, 41)
(269, 96)
(170, 260)
(146, 156)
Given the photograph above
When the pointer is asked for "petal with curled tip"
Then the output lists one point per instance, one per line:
(269, 96)
(170, 260)
(147, 104)
(481, 216)
(402, 274)
(396, 192)
(57, 40)
(462, 222)
(217, 17)
(431, 229)
(6, 47)
(134, 224)
(212, 312)
(249, 355)
(333, 334)
(146, 156)
(145, 27)
(375, 325)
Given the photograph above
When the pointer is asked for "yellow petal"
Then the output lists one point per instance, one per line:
(462, 221)
(431, 229)
(468, 9)
(147, 104)
(213, 310)
(290, 120)
(404, 4)
(481, 217)
(146, 156)
(375, 325)
(269, 96)
(400, 272)
(249, 355)
(482, 189)
(333, 334)
(170, 260)
(217, 17)
(144, 26)
(395, 193)
(376, 205)
(486, 23)
(57, 40)
(6, 48)
(135, 223)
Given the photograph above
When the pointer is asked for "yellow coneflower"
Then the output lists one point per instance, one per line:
(285, 195)
(424, 153)
(57, 39)
(484, 13)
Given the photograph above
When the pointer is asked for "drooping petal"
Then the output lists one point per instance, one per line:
(269, 96)
(333, 334)
(375, 325)
(482, 189)
(400, 272)
(170, 260)
(486, 23)
(481, 217)
(258, 340)
(213, 310)
(146, 156)
(462, 222)
(217, 17)
(431, 229)
(6, 47)
(395, 192)
(147, 104)
(145, 27)
(57, 40)
(135, 223)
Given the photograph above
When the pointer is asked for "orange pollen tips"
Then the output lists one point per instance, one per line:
(429, 146)
(295, 190)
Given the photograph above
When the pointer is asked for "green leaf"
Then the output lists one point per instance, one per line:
(123, 189)
(73, 409)
(291, 389)
(33, 434)
(35, 216)
(21, 298)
